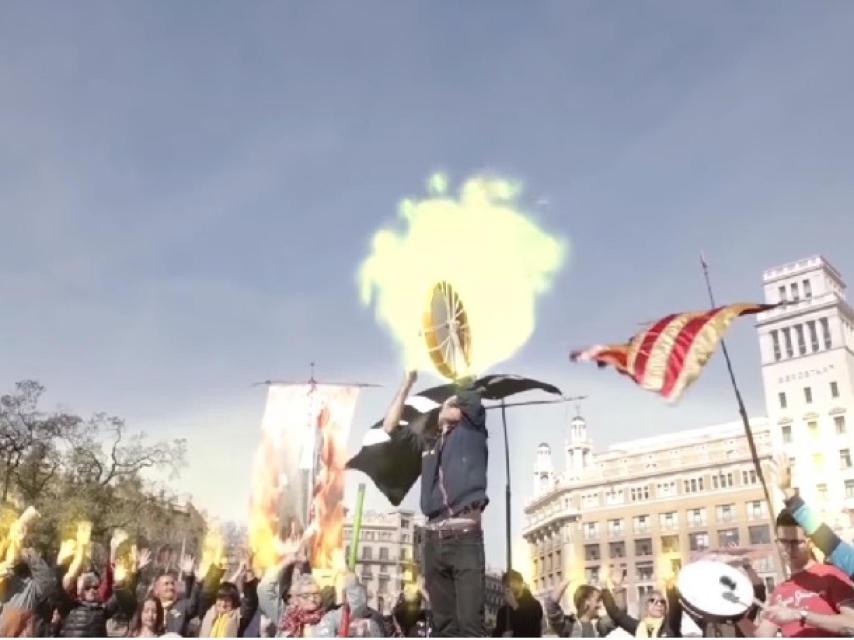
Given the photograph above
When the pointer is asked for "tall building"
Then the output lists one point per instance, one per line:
(649, 506)
(493, 598)
(387, 558)
(807, 347)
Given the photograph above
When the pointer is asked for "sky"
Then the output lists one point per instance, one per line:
(187, 190)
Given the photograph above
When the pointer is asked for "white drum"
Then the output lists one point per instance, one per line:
(714, 590)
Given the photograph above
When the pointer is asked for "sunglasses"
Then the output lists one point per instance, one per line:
(657, 601)
(91, 587)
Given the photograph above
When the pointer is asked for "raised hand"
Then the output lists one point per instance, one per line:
(558, 591)
(615, 578)
(188, 564)
(143, 559)
(784, 473)
(66, 551)
(410, 378)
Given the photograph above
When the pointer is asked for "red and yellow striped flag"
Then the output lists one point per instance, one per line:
(669, 355)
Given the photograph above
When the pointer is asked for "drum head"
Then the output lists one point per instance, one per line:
(715, 590)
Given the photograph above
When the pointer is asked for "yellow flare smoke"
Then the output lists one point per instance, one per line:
(484, 244)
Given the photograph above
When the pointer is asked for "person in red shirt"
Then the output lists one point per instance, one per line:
(817, 601)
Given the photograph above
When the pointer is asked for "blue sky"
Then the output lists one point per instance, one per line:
(186, 190)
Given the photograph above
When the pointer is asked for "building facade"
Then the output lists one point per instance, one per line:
(387, 558)
(493, 597)
(807, 350)
(647, 506)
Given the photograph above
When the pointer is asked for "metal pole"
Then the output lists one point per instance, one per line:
(743, 413)
(507, 501)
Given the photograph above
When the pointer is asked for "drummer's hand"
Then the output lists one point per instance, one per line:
(747, 567)
(784, 474)
(781, 615)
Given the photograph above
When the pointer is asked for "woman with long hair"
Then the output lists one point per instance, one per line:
(148, 622)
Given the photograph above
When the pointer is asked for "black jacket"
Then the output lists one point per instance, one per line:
(526, 620)
(201, 598)
(89, 619)
(453, 465)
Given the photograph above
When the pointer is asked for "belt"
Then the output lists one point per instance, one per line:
(452, 532)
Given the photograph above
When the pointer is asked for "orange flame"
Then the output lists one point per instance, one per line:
(295, 419)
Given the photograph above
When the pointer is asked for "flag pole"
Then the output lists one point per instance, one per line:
(743, 413)
(507, 500)
(357, 528)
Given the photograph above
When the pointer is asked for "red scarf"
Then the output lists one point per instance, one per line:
(295, 620)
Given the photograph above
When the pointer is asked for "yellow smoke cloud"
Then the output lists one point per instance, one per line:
(482, 242)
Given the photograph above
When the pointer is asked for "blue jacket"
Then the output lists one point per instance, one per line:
(839, 552)
(453, 466)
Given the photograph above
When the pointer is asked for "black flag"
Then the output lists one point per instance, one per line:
(393, 461)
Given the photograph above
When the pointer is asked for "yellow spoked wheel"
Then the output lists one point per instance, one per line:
(446, 331)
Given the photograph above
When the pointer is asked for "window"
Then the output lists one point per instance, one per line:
(615, 527)
(617, 549)
(347, 551)
(775, 339)
(614, 496)
(749, 477)
(845, 458)
(697, 517)
(849, 488)
(667, 489)
(644, 591)
(367, 553)
(787, 339)
(367, 535)
(834, 390)
(839, 423)
(756, 510)
(818, 461)
(591, 574)
(812, 427)
(728, 537)
(669, 521)
(640, 493)
(759, 534)
(383, 553)
(591, 530)
(787, 433)
(670, 544)
(813, 335)
(808, 395)
(722, 481)
(807, 289)
(404, 537)
(825, 332)
(799, 332)
(383, 586)
(781, 293)
(643, 547)
(795, 296)
(726, 512)
(645, 571)
(591, 552)
(641, 524)
(404, 554)
(782, 397)
(821, 491)
(693, 485)
(590, 500)
(698, 541)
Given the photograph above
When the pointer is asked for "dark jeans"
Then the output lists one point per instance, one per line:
(454, 576)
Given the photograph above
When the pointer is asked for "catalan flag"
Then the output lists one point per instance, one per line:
(670, 353)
